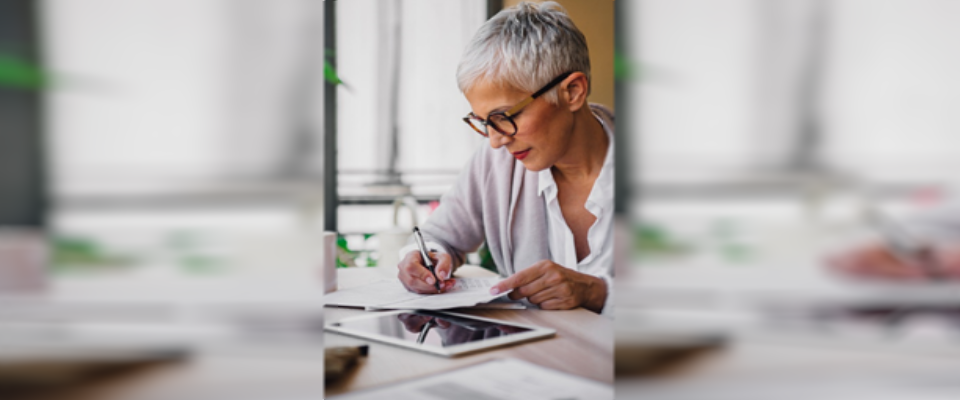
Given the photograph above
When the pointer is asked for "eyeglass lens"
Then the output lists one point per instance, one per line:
(500, 122)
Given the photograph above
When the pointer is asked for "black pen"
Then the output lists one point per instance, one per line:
(426, 258)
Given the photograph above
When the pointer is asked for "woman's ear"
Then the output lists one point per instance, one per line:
(575, 90)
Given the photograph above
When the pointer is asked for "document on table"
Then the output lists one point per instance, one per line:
(391, 295)
(493, 380)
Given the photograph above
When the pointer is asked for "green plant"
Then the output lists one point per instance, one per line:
(345, 256)
(625, 69)
(78, 253)
(654, 241)
(330, 73)
(18, 73)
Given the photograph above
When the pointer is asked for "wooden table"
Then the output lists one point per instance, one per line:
(583, 346)
(267, 369)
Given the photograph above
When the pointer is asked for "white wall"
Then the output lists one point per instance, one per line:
(162, 95)
(894, 92)
(718, 102)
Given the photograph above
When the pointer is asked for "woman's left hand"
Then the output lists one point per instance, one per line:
(555, 287)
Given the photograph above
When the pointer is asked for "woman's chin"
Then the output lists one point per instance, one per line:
(533, 165)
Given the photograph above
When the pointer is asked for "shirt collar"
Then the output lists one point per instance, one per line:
(605, 180)
(546, 181)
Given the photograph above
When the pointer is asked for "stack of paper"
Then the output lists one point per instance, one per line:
(391, 295)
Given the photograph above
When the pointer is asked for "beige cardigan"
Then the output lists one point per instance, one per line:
(496, 199)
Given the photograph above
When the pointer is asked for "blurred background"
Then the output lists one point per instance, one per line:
(800, 112)
(763, 136)
(171, 166)
(187, 141)
(156, 131)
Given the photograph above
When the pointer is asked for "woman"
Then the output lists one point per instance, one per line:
(541, 195)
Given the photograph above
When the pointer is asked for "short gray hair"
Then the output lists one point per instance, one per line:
(525, 47)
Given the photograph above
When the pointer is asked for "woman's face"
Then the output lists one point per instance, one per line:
(544, 130)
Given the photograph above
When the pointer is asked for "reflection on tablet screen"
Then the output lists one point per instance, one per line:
(433, 329)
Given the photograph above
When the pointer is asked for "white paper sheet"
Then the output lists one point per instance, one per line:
(502, 379)
(391, 295)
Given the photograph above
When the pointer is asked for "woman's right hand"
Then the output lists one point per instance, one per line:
(418, 279)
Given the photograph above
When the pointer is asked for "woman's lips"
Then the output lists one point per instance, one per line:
(522, 154)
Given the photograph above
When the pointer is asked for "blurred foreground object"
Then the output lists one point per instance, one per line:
(643, 352)
(45, 365)
(339, 360)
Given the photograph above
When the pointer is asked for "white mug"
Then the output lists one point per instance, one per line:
(391, 241)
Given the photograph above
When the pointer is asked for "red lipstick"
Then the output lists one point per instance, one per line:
(520, 155)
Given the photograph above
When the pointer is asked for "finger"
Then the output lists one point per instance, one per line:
(551, 275)
(561, 292)
(557, 304)
(410, 257)
(448, 284)
(533, 288)
(443, 323)
(418, 271)
(415, 283)
(444, 265)
(412, 264)
(417, 286)
(519, 279)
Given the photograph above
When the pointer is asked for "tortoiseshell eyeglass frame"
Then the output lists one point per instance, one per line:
(512, 112)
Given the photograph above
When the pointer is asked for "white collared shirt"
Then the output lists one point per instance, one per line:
(563, 250)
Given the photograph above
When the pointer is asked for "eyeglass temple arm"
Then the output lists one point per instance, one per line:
(515, 109)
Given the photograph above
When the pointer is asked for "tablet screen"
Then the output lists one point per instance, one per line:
(431, 328)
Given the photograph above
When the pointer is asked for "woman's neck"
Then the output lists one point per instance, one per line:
(587, 150)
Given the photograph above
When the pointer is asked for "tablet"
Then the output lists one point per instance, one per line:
(441, 333)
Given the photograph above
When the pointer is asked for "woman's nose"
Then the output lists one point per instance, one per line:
(497, 139)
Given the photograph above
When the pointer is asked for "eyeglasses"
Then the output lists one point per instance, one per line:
(502, 121)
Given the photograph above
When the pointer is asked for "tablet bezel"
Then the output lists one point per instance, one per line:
(536, 332)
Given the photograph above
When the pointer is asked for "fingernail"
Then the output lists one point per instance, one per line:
(430, 280)
(494, 290)
(445, 275)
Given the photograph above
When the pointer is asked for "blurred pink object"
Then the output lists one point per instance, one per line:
(23, 260)
(928, 197)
